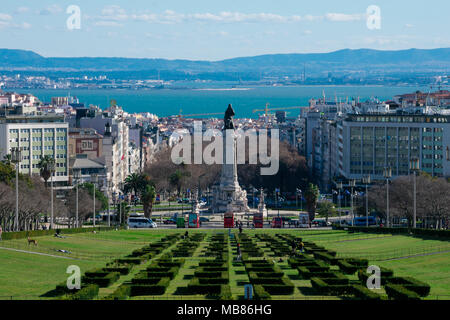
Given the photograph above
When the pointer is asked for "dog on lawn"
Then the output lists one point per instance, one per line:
(32, 241)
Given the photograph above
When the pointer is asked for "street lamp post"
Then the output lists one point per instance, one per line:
(120, 203)
(298, 192)
(51, 167)
(352, 184)
(16, 158)
(414, 167)
(277, 192)
(76, 176)
(339, 186)
(366, 181)
(108, 190)
(94, 178)
(387, 176)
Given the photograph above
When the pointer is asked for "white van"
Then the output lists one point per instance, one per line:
(141, 222)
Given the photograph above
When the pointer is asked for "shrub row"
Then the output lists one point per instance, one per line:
(211, 277)
(153, 286)
(101, 279)
(260, 293)
(121, 293)
(364, 293)
(326, 287)
(352, 265)
(269, 276)
(399, 292)
(411, 284)
(88, 292)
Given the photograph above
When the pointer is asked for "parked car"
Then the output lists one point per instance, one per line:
(204, 219)
(170, 221)
(319, 223)
(140, 222)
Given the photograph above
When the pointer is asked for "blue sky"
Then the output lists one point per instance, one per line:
(214, 30)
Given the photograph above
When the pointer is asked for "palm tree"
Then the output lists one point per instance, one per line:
(176, 179)
(7, 159)
(44, 166)
(311, 196)
(148, 197)
(135, 182)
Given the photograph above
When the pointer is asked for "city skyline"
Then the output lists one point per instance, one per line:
(213, 31)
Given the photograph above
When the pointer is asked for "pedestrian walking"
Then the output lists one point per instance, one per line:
(293, 246)
(302, 245)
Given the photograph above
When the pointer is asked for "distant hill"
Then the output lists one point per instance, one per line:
(347, 60)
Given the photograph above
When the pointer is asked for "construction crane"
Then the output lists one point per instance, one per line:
(267, 109)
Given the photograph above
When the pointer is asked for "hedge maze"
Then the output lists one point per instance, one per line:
(211, 276)
(202, 266)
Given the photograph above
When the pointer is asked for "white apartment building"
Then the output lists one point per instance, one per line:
(115, 154)
(37, 136)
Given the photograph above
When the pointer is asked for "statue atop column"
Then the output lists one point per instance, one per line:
(228, 118)
(227, 194)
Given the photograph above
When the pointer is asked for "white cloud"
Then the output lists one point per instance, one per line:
(408, 25)
(6, 21)
(53, 9)
(22, 10)
(5, 17)
(343, 17)
(24, 25)
(108, 24)
(114, 12)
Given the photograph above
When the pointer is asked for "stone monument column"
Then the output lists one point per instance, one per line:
(227, 194)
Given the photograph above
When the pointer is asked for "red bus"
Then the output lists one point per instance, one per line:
(277, 222)
(258, 220)
(228, 220)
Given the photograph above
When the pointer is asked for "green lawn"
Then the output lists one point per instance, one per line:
(27, 275)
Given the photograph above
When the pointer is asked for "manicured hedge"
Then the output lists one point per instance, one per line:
(122, 269)
(158, 288)
(329, 256)
(142, 279)
(195, 287)
(199, 273)
(364, 293)
(398, 292)
(285, 288)
(121, 293)
(299, 260)
(260, 293)
(352, 265)
(85, 293)
(128, 261)
(101, 279)
(385, 275)
(323, 287)
(419, 287)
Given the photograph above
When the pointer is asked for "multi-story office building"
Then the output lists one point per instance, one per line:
(85, 141)
(37, 136)
(375, 141)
